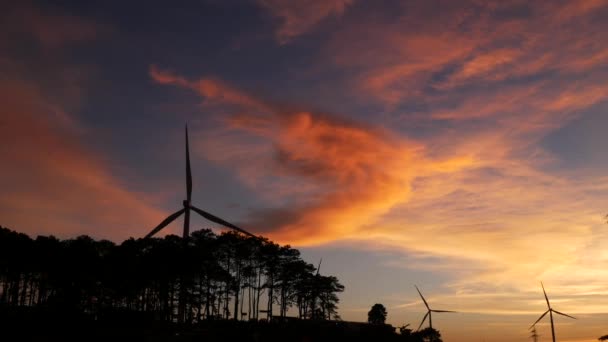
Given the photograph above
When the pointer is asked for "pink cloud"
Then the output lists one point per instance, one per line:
(395, 60)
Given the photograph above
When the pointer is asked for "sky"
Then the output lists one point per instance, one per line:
(456, 145)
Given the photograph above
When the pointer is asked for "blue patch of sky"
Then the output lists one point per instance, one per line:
(373, 276)
(582, 143)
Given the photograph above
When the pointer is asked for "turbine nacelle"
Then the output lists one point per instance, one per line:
(550, 311)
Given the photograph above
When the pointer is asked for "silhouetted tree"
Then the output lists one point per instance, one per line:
(404, 330)
(224, 275)
(603, 338)
(407, 334)
(424, 335)
(427, 335)
(377, 314)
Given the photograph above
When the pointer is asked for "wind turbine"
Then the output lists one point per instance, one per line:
(550, 311)
(188, 206)
(186, 211)
(429, 311)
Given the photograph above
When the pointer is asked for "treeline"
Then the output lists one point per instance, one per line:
(226, 276)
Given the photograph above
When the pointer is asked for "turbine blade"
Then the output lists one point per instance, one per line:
(165, 222)
(563, 314)
(319, 267)
(443, 311)
(421, 296)
(538, 320)
(545, 293)
(218, 220)
(188, 171)
(423, 319)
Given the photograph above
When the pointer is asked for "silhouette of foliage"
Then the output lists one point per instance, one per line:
(404, 330)
(603, 338)
(427, 335)
(226, 276)
(424, 335)
(377, 314)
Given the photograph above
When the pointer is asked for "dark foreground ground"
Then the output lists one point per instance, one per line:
(27, 325)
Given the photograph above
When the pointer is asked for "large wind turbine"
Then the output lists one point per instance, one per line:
(186, 211)
(429, 311)
(550, 311)
(188, 205)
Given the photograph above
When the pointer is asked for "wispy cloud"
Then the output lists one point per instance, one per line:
(400, 58)
(301, 16)
(51, 28)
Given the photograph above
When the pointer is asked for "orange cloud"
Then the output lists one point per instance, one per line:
(484, 65)
(395, 63)
(573, 9)
(209, 88)
(301, 16)
(538, 107)
(398, 59)
(359, 173)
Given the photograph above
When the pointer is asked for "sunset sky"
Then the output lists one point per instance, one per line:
(457, 145)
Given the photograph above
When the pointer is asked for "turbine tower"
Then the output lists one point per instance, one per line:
(534, 336)
(187, 206)
(550, 311)
(319, 267)
(429, 311)
(315, 292)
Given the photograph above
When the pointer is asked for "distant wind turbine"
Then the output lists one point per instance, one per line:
(429, 311)
(550, 311)
(188, 205)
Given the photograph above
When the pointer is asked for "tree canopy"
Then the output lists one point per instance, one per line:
(425, 335)
(222, 276)
(377, 314)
